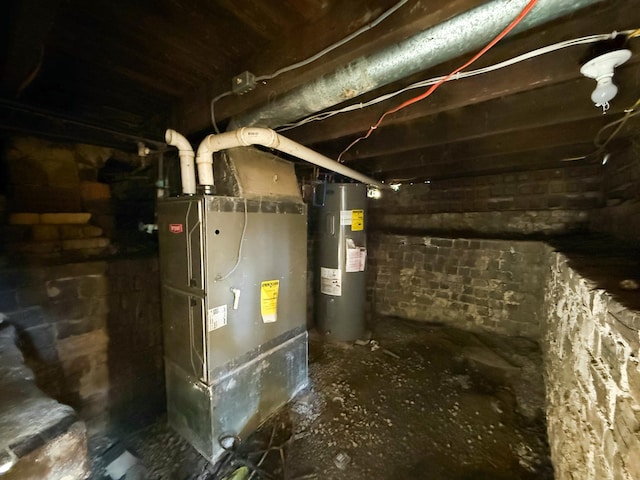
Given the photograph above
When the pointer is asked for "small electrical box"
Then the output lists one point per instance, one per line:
(243, 83)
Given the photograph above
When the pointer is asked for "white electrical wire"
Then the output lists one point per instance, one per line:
(218, 278)
(338, 44)
(425, 83)
(213, 115)
(313, 58)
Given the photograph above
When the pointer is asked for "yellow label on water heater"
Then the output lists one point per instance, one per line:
(357, 220)
(269, 300)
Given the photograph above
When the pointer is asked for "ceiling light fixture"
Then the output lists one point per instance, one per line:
(601, 69)
(373, 192)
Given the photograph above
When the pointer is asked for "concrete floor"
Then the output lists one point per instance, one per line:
(421, 401)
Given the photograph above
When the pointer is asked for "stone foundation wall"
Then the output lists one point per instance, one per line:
(493, 285)
(92, 334)
(590, 338)
(136, 366)
(89, 322)
(592, 359)
(40, 439)
(60, 313)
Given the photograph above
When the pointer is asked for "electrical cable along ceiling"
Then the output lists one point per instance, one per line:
(117, 74)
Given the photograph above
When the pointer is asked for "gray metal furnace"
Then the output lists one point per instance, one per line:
(342, 259)
(233, 269)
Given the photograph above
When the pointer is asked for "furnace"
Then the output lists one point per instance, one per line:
(233, 268)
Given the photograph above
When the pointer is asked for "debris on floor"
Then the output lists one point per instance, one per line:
(426, 402)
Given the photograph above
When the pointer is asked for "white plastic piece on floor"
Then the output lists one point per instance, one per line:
(121, 465)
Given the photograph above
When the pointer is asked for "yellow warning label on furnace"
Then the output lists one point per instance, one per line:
(269, 300)
(357, 220)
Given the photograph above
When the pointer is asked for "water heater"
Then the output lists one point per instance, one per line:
(342, 260)
(233, 270)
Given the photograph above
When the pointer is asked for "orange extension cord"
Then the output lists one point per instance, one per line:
(433, 87)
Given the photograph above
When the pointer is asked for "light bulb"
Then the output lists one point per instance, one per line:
(605, 91)
(601, 70)
(373, 192)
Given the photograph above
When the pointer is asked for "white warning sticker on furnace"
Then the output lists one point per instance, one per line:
(216, 318)
(331, 281)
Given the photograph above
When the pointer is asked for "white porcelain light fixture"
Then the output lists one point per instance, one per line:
(601, 70)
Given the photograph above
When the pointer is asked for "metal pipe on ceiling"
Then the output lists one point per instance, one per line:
(456, 36)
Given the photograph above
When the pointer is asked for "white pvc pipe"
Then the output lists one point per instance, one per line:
(266, 137)
(185, 152)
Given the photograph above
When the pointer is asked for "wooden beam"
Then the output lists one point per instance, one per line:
(134, 39)
(538, 159)
(542, 71)
(556, 104)
(193, 113)
(515, 142)
(262, 17)
(16, 117)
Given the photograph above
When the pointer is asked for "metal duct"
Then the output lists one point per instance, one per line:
(459, 35)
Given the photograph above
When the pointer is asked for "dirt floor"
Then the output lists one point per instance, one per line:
(418, 401)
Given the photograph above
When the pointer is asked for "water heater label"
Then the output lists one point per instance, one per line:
(345, 217)
(216, 318)
(357, 220)
(353, 218)
(356, 260)
(176, 227)
(269, 300)
(331, 281)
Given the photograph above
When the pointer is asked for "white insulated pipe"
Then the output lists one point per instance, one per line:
(266, 137)
(185, 152)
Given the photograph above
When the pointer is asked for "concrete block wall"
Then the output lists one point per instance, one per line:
(548, 202)
(592, 369)
(493, 285)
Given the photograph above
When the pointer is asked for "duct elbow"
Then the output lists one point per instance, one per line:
(185, 152)
(173, 138)
(204, 162)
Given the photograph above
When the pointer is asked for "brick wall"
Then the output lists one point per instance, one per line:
(136, 367)
(92, 333)
(549, 202)
(590, 336)
(60, 313)
(493, 285)
(592, 352)
(621, 186)
(89, 322)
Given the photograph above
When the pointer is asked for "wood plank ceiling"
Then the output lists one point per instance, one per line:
(109, 71)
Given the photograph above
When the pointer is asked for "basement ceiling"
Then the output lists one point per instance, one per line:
(113, 72)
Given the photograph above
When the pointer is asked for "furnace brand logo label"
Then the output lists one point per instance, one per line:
(176, 228)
